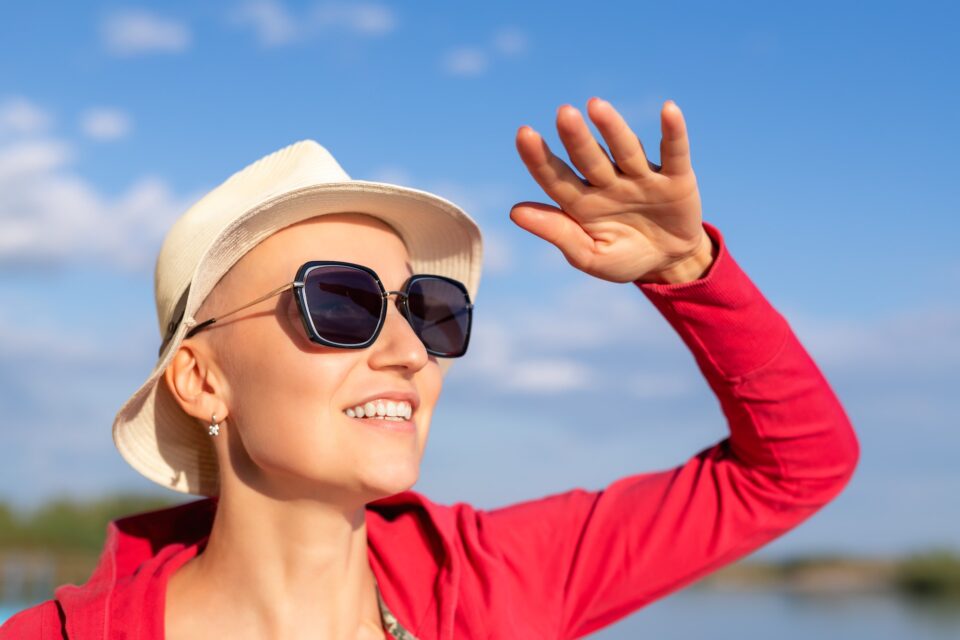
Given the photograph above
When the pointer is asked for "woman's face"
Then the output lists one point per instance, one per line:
(284, 396)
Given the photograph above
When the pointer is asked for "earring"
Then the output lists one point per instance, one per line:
(214, 427)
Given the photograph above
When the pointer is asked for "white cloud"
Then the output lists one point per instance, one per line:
(497, 253)
(270, 20)
(275, 24)
(589, 314)
(500, 360)
(610, 335)
(906, 342)
(465, 61)
(510, 41)
(20, 116)
(391, 175)
(538, 345)
(27, 159)
(363, 18)
(507, 41)
(582, 336)
(49, 214)
(105, 123)
(136, 31)
(550, 375)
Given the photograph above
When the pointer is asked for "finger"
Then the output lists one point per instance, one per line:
(674, 146)
(624, 144)
(585, 152)
(553, 175)
(555, 226)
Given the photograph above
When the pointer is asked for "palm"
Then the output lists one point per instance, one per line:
(627, 217)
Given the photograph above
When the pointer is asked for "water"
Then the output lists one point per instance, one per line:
(736, 615)
(720, 615)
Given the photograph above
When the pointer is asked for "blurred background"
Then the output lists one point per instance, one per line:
(824, 140)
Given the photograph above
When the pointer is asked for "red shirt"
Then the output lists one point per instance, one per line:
(566, 564)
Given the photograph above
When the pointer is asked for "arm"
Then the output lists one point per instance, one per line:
(585, 559)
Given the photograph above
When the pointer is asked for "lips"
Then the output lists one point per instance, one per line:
(382, 425)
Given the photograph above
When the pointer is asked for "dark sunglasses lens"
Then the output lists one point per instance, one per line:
(344, 303)
(439, 315)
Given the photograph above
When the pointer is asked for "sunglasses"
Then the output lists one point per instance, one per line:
(344, 305)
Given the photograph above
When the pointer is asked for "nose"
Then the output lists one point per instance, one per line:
(398, 343)
(401, 302)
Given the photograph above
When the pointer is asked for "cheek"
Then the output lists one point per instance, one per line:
(429, 386)
(281, 399)
(282, 388)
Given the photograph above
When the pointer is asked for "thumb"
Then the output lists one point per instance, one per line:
(555, 226)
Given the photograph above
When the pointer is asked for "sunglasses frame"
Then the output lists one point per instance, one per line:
(298, 285)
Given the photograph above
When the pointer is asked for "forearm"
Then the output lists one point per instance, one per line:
(790, 450)
(784, 418)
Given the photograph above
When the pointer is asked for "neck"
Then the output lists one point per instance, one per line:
(279, 566)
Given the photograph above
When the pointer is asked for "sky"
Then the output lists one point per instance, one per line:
(823, 138)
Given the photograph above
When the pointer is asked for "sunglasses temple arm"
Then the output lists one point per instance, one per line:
(249, 304)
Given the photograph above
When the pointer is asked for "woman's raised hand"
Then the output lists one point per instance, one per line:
(629, 219)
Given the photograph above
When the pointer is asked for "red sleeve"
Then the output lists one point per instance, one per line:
(39, 622)
(585, 559)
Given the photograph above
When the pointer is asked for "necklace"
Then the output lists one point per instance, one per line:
(390, 622)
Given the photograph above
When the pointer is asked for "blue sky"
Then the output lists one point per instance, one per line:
(823, 140)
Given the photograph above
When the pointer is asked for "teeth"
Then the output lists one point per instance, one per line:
(385, 409)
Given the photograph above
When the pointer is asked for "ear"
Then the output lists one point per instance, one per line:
(196, 383)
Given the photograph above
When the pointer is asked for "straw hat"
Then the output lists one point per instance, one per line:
(153, 434)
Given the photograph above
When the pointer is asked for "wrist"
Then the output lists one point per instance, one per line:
(689, 269)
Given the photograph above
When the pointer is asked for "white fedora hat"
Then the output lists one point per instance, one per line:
(153, 434)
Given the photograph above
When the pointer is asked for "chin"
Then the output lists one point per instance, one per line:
(395, 478)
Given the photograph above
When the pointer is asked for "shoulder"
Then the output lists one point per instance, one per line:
(41, 621)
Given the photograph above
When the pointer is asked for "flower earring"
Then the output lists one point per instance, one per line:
(214, 427)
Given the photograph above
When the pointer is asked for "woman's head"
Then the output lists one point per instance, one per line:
(280, 398)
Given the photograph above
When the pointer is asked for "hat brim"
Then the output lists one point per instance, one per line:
(163, 443)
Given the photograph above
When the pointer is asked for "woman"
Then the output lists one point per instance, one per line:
(262, 397)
